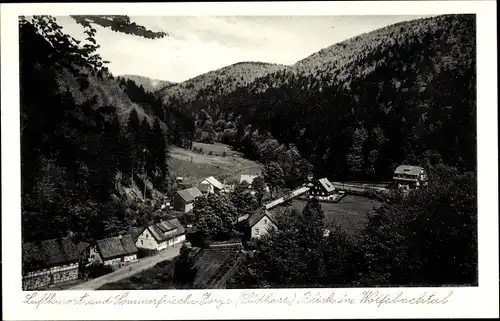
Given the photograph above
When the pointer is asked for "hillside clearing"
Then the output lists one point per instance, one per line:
(194, 167)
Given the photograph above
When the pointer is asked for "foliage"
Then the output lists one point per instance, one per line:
(215, 216)
(74, 146)
(425, 238)
(242, 199)
(259, 186)
(359, 108)
(408, 238)
(273, 175)
(184, 268)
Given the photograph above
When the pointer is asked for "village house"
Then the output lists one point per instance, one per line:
(409, 177)
(114, 251)
(49, 262)
(162, 235)
(184, 199)
(211, 185)
(261, 222)
(321, 189)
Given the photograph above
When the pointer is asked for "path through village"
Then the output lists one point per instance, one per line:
(130, 270)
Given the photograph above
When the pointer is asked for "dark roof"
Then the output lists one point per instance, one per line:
(48, 253)
(189, 194)
(82, 246)
(135, 232)
(166, 230)
(116, 246)
(258, 215)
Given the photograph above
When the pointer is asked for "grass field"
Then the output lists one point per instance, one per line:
(194, 167)
(216, 148)
(350, 213)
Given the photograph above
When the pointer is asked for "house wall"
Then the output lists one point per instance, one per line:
(146, 241)
(56, 274)
(211, 188)
(179, 204)
(130, 258)
(115, 261)
(189, 207)
(94, 255)
(262, 227)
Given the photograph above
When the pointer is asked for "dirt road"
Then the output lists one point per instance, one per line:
(130, 270)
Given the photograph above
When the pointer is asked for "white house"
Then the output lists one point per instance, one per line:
(408, 177)
(114, 251)
(161, 235)
(184, 199)
(321, 189)
(261, 222)
(211, 185)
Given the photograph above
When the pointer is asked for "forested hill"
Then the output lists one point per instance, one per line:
(88, 141)
(149, 84)
(218, 82)
(402, 94)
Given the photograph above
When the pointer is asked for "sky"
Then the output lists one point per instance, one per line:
(198, 44)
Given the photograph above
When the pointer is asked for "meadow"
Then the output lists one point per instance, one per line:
(193, 167)
(350, 213)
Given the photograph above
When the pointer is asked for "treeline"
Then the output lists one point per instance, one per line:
(179, 120)
(397, 97)
(75, 156)
(427, 238)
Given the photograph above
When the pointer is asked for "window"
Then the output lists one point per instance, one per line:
(142, 242)
(146, 235)
(256, 231)
(265, 221)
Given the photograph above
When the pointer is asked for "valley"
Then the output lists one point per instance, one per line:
(120, 170)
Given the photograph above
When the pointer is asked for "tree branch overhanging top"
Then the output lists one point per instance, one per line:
(121, 24)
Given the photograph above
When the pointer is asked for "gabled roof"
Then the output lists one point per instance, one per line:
(214, 182)
(204, 187)
(166, 230)
(116, 246)
(258, 215)
(326, 184)
(407, 169)
(49, 253)
(247, 178)
(135, 232)
(82, 246)
(189, 194)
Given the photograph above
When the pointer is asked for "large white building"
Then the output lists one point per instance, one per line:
(162, 235)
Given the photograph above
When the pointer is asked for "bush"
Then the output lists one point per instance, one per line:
(145, 253)
(95, 271)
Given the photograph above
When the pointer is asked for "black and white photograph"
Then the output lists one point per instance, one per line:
(216, 152)
(346, 165)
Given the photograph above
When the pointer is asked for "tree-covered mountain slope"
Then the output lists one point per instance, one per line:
(400, 94)
(218, 82)
(149, 84)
